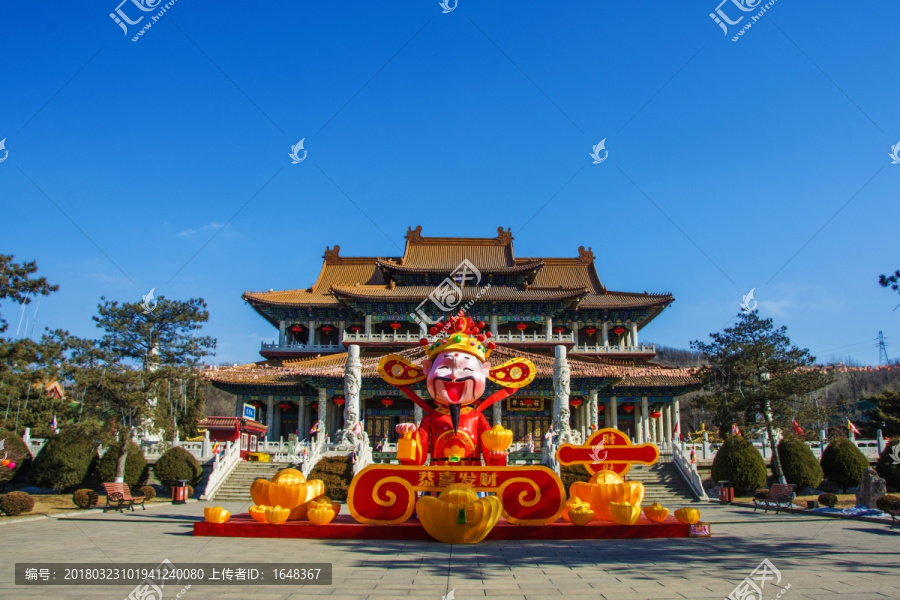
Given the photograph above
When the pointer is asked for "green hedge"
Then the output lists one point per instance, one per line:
(571, 474)
(336, 472)
(800, 465)
(135, 465)
(886, 467)
(65, 460)
(177, 463)
(16, 503)
(843, 463)
(740, 464)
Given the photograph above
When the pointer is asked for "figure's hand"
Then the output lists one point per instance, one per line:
(406, 429)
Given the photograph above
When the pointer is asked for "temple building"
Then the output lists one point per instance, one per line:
(546, 309)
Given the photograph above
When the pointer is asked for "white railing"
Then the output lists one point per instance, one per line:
(601, 349)
(363, 452)
(316, 452)
(394, 336)
(688, 470)
(871, 449)
(223, 465)
(534, 338)
(295, 347)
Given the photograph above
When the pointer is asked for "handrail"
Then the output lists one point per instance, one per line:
(223, 465)
(687, 470)
(362, 450)
(316, 452)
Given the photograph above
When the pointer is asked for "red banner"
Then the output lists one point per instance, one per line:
(608, 450)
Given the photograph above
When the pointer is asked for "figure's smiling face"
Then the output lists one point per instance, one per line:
(456, 378)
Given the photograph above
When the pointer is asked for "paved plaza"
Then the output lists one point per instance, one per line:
(820, 559)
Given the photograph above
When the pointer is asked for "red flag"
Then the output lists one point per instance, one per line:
(676, 431)
(796, 426)
(852, 427)
(735, 430)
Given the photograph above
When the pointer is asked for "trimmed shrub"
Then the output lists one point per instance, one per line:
(190, 491)
(177, 463)
(884, 503)
(762, 494)
(740, 464)
(336, 472)
(135, 465)
(829, 500)
(16, 452)
(886, 467)
(64, 461)
(148, 491)
(571, 474)
(16, 503)
(843, 463)
(800, 465)
(85, 498)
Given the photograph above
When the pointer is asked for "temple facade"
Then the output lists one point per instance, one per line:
(554, 311)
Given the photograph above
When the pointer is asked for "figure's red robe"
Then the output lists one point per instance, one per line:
(437, 429)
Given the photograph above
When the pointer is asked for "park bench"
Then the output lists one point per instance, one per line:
(118, 497)
(894, 512)
(781, 497)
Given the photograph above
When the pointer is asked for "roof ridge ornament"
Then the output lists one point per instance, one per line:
(414, 236)
(585, 256)
(504, 237)
(332, 255)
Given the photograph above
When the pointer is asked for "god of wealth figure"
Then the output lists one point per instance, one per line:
(454, 430)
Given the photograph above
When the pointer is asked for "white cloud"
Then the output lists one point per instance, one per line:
(209, 227)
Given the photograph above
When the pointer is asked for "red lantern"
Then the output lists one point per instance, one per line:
(628, 408)
(339, 401)
(326, 329)
(297, 328)
(315, 406)
(590, 330)
(655, 414)
(356, 329)
(521, 326)
(619, 330)
(395, 325)
(576, 402)
(528, 401)
(560, 330)
(285, 406)
(386, 402)
(601, 407)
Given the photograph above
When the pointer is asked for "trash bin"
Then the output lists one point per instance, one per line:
(179, 492)
(726, 492)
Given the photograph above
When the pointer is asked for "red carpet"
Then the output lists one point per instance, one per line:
(345, 528)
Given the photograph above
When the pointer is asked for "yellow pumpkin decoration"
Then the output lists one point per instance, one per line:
(258, 512)
(633, 492)
(581, 515)
(656, 512)
(216, 514)
(581, 491)
(688, 516)
(574, 502)
(288, 489)
(277, 515)
(322, 511)
(497, 438)
(458, 515)
(624, 513)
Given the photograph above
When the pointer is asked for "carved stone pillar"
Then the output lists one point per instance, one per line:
(561, 391)
(322, 415)
(352, 386)
(592, 410)
(496, 414)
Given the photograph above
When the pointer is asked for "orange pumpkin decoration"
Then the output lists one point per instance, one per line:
(624, 513)
(258, 512)
(322, 511)
(574, 502)
(216, 514)
(288, 489)
(581, 515)
(277, 515)
(688, 516)
(656, 512)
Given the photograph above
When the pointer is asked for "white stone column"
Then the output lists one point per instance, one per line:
(561, 390)
(595, 418)
(607, 414)
(281, 333)
(622, 340)
(548, 328)
(676, 415)
(604, 333)
(638, 424)
(352, 387)
(613, 413)
(497, 413)
(645, 417)
(275, 429)
(667, 424)
(653, 430)
(368, 324)
(494, 325)
(322, 414)
(634, 334)
(270, 412)
(300, 419)
(311, 340)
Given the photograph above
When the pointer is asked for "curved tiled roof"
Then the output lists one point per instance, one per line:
(625, 300)
(518, 267)
(420, 292)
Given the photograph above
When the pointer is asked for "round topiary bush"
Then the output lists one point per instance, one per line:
(740, 464)
(843, 463)
(135, 465)
(64, 461)
(829, 500)
(336, 472)
(177, 463)
(85, 498)
(885, 503)
(17, 454)
(799, 464)
(148, 491)
(16, 503)
(886, 467)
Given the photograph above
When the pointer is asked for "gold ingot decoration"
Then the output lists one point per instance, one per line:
(581, 491)
(497, 438)
(581, 515)
(606, 477)
(688, 516)
(633, 492)
(258, 512)
(458, 515)
(322, 511)
(288, 489)
(656, 512)
(624, 513)
(216, 514)
(574, 502)
(602, 494)
(277, 515)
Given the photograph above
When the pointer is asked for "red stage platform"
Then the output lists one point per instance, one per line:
(344, 527)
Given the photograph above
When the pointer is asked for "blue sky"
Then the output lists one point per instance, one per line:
(761, 163)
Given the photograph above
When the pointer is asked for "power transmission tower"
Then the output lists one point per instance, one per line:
(882, 350)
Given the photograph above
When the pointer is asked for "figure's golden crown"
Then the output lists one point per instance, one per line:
(459, 334)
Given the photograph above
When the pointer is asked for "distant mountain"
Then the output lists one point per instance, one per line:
(677, 357)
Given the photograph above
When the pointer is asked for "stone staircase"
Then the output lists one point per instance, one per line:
(237, 487)
(662, 483)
